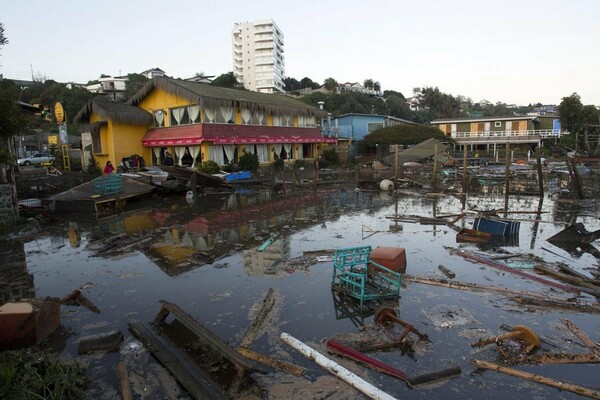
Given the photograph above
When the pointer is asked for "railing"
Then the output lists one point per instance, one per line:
(543, 133)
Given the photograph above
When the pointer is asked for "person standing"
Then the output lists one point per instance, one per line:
(108, 168)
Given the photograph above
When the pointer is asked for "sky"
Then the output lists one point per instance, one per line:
(515, 52)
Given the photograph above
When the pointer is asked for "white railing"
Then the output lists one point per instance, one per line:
(543, 133)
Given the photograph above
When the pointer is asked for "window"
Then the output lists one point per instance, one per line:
(179, 116)
(373, 126)
(497, 124)
(159, 118)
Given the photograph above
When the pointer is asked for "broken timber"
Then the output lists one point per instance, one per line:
(124, 385)
(583, 391)
(584, 286)
(252, 332)
(551, 359)
(261, 358)
(210, 338)
(195, 380)
(582, 336)
(502, 267)
(518, 296)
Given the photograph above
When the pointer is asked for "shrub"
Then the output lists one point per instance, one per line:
(331, 157)
(278, 164)
(93, 168)
(297, 164)
(230, 168)
(209, 167)
(248, 162)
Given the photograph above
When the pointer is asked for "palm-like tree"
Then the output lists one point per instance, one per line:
(368, 83)
(376, 86)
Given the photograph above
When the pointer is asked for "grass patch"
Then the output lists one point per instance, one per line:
(26, 375)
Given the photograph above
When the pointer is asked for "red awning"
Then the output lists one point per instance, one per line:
(174, 136)
(231, 134)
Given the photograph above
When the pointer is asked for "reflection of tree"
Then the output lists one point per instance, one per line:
(15, 280)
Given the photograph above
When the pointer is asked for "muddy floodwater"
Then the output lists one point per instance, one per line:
(204, 256)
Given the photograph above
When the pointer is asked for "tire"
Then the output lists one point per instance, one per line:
(27, 163)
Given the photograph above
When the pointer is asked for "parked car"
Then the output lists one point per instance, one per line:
(36, 159)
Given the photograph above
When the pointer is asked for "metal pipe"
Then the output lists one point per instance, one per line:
(335, 369)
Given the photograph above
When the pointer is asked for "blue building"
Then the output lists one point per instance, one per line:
(355, 127)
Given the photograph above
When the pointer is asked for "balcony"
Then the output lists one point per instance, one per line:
(529, 136)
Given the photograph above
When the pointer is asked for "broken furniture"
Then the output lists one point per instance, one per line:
(575, 233)
(393, 258)
(523, 334)
(27, 323)
(190, 375)
(356, 275)
(473, 236)
(387, 314)
(497, 226)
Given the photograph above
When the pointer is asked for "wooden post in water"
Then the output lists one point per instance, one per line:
(538, 156)
(357, 175)
(506, 176)
(464, 183)
(316, 174)
(434, 173)
(573, 165)
(396, 164)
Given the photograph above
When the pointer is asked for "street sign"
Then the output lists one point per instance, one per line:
(62, 131)
(59, 113)
(53, 139)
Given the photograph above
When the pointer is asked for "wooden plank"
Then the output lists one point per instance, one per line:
(582, 336)
(580, 390)
(472, 256)
(124, 386)
(252, 332)
(552, 359)
(198, 384)
(583, 285)
(210, 338)
(263, 359)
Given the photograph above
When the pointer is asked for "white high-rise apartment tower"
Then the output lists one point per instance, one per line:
(258, 61)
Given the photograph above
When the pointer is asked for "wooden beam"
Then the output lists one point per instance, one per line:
(252, 332)
(583, 391)
(210, 338)
(197, 382)
(263, 359)
(582, 336)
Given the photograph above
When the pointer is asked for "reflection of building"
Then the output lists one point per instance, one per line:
(264, 263)
(15, 280)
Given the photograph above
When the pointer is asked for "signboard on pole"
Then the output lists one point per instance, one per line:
(53, 139)
(62, 132)
(59, 113)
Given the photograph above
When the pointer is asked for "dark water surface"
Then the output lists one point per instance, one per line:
(204, 258)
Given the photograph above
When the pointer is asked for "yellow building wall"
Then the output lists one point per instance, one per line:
(158, 99)
(120, 140)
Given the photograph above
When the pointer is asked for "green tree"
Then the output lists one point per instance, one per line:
(388, 93)
(376, 86)
(307, 83)
(134, 83)
(368, 83)
(226, 80)
(331, 84)
(569, 111)
(397, 107)
(291, 84)
(590, 119)
(438, 104)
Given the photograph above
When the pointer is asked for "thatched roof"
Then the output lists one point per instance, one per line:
(208, 95)
(121, 113)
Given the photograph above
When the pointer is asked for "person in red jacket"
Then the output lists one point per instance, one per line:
(108, 168)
